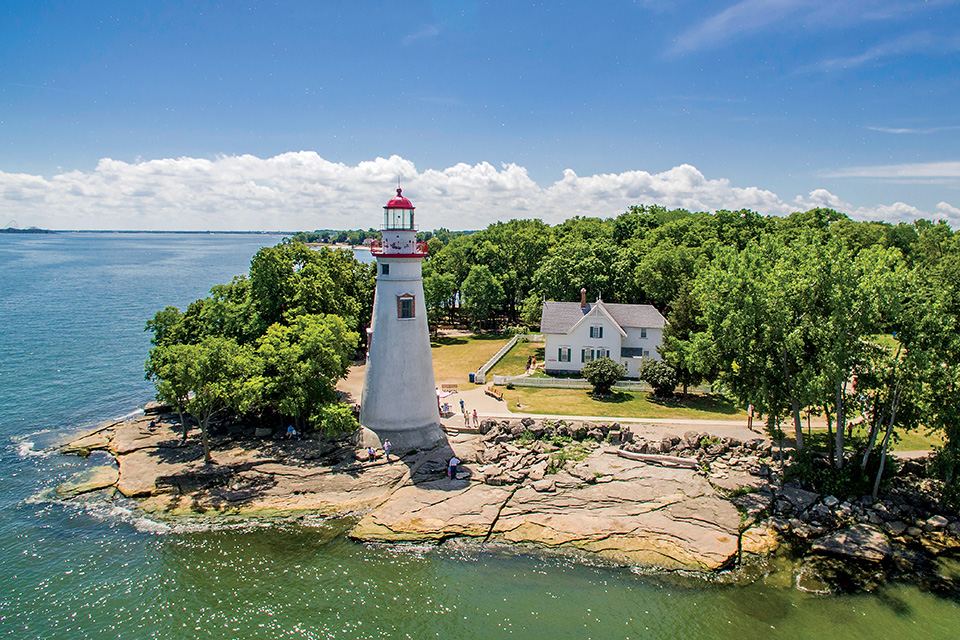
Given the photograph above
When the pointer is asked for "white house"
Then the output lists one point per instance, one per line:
(577, 332)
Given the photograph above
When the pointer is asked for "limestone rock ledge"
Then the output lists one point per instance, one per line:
(645, 515)
(623, 510)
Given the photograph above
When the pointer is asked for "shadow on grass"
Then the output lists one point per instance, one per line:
(707, 403)
(617, 397)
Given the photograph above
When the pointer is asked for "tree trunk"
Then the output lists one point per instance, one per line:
(204, 422)
(183, 423)
(874, 430)
(794, 405)
(894, 403)
(841, 419)
(830, 440)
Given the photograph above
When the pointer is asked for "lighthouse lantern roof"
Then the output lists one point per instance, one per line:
(398, 214)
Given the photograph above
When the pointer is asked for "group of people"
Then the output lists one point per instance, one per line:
(467, 416)
(372, 451)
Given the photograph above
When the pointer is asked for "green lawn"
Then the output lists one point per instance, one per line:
(908, 441)
(885, 340)
(515, 362)
(636, 404)
(455, 358)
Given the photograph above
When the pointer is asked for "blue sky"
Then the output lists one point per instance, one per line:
(291, 115)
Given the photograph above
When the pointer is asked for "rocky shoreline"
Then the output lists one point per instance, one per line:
(695, 502)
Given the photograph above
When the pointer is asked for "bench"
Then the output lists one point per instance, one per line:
(449, 388)
(493, 393)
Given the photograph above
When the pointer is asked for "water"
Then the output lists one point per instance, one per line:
(72, 345)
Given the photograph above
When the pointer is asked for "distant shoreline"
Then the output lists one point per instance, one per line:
(259, 233)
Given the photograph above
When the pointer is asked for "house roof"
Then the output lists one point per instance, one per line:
(561, 317)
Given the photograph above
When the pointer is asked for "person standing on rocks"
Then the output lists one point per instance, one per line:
(452, 467)
(386, 449)
(476, 419)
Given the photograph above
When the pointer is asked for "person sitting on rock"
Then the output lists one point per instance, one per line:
(372, 453)
(291, 433)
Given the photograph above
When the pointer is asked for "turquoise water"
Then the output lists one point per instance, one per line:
(72, 310)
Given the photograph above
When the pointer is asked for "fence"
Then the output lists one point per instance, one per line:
(566, 383)
(480, 377)
(580, 383)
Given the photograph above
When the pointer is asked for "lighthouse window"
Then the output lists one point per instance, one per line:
(405, 308)
(385, 269)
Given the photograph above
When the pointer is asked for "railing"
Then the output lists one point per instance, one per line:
(378, 249)
(480, 376)
(566, 383)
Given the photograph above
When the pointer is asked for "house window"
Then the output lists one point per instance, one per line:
(603, 353)
(586, 355)
(384, 269)
(405, 306)
(596, 331)
(564, 354)
(643, 332)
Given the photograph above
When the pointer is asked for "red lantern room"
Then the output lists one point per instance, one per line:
(399, 232)
(398, 214)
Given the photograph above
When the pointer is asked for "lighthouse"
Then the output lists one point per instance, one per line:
(399, 401)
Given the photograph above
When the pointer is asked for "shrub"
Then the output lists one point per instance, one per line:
(334, 419)
(660, 376)
(602, 373)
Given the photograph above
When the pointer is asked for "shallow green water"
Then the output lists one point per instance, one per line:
(71, 353)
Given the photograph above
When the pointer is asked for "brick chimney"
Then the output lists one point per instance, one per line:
(583, 298)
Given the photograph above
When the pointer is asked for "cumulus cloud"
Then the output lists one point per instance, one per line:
(896, 212)
(303, 191)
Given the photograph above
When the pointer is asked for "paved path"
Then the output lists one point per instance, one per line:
(487, 407)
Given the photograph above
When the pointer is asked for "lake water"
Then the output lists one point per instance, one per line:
(72, 346)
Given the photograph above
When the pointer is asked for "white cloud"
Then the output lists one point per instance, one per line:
(948, 210)
(909, 171)
(896, 212)
(301, 190)
(743, 17)
(908, 130)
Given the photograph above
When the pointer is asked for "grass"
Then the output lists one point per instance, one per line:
(899, 441)
(885, 340)
(515, 362)
(637, 404)
(455, 358)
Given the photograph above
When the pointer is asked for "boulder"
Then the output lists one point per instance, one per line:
(692, 439)
(798, 498)
(546, 485)
(895, 528)
(860, 542)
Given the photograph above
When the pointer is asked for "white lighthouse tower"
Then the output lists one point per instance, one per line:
(399, 401)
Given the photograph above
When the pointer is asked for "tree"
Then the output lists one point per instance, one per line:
(856, 293)
(301, 365)
(166, 325)
(439, 292)
(602, 373)
(659, 375)
(334, 419)
(686, 347)
(482, 294)
(169, 367)
(218, 369)
(757, 308)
